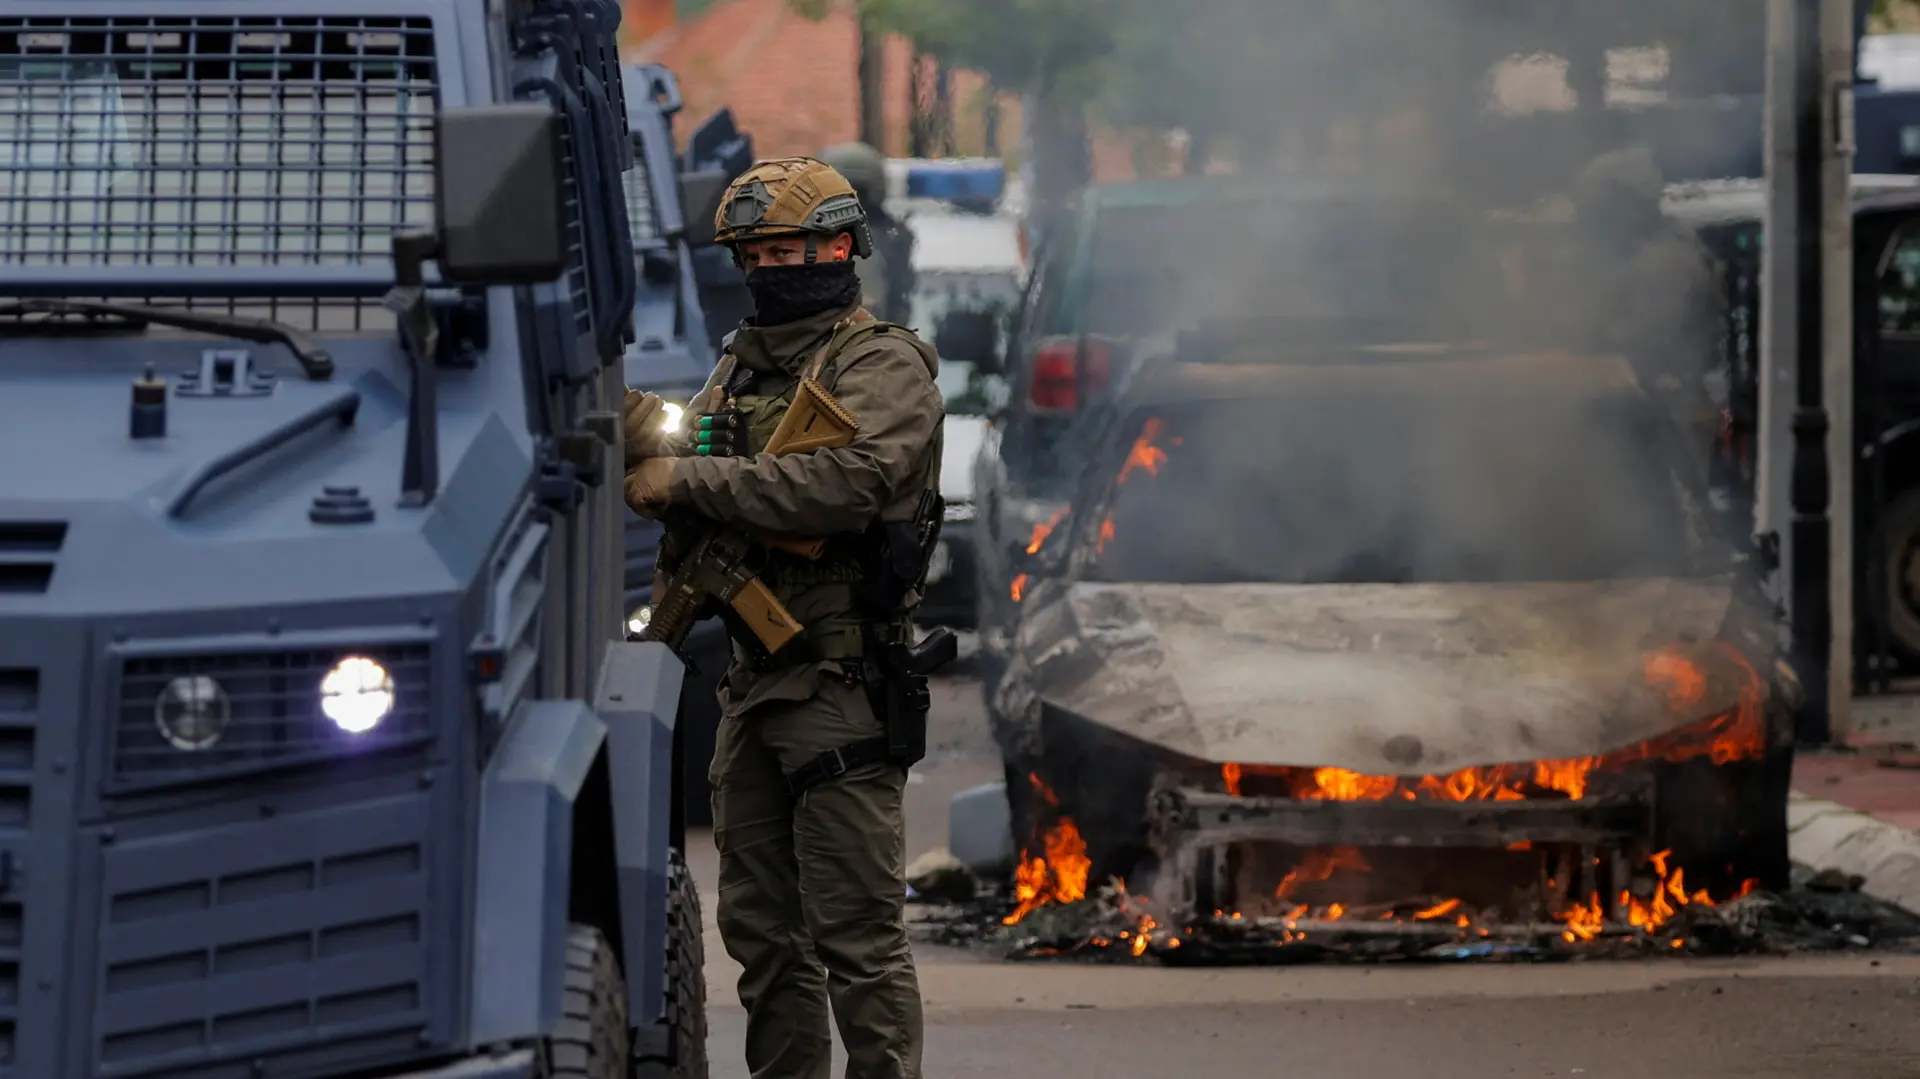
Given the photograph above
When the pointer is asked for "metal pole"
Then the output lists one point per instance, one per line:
(1793, 413)
(1837, 44)
(1778, 304)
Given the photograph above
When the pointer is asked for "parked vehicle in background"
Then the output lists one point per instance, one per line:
(673, 351)
(1728, 216)
(967, 273)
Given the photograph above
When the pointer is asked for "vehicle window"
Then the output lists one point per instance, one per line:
(1900, 282)
(1308, 490)
(966, 390)
(1042, 316)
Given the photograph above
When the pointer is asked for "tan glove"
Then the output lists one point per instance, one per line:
(647, 486)
(643, 427)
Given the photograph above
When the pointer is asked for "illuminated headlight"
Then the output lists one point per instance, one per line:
(356, 694)
(671, 415)
(193, 712)
(638, 621)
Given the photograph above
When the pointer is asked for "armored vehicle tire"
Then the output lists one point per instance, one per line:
(686, 983)
(593, 1041)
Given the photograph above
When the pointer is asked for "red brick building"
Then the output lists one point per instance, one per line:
(792, 81)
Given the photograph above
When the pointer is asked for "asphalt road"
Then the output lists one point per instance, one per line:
(1825, 1017)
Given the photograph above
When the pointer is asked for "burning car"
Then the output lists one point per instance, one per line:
(1432, 636)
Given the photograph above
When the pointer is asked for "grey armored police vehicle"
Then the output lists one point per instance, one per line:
(322, 752)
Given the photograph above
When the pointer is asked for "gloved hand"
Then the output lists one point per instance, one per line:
(643, 427)
(646, 486)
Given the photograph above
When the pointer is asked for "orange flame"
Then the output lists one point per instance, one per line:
(1058, 876)
(1044, 529)
(1019, 587)
(1320, 864)
(1230, 775)
(1738, 734)
(1144, 456)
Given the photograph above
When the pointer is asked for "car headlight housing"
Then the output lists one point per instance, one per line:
(193, 712)
(188, 716)
(356, 694)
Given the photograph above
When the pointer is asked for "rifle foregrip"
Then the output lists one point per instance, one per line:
(673, 619)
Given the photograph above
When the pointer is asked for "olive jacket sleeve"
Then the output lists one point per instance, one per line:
(887, 385)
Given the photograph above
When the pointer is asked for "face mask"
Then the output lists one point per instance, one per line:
(783, 294)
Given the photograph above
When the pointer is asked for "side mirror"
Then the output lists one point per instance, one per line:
(498, 208)
(970, 337)
(498, 220)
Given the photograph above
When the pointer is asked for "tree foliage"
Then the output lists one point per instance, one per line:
(1249, 65)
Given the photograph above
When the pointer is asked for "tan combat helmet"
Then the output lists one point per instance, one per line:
(792, 196)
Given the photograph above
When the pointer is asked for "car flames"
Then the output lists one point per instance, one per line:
(1055, 868)
(1058, 872)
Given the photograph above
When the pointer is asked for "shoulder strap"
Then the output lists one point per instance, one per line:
(857, 327)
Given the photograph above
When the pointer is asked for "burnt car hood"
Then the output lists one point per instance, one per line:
(1401, 679)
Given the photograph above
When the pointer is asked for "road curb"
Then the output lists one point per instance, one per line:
(1827, 835)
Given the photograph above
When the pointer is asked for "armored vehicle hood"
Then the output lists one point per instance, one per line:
(1448, 675)
(287, 491)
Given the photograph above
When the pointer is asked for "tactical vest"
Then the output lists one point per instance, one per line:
(762, 399)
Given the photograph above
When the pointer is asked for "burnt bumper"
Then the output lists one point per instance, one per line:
(1196, 819)
(1200, 837)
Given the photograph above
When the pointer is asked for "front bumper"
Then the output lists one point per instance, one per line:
(1191, 831)
(952, 596)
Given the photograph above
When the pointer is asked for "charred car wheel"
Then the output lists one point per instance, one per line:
(592, 1042)
(686, 1004)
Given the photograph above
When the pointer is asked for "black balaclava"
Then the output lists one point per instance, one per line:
(783, 294)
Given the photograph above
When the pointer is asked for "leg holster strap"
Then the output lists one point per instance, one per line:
(835, 763)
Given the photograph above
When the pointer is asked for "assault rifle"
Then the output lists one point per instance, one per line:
(722, 564)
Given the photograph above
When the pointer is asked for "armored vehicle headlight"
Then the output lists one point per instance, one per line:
(638, 621)
(356, 694)
(192, 712)
(671, 414)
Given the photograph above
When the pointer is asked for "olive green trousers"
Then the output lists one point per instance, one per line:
(813, 893)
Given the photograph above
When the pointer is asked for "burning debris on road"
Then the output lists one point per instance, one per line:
(1054, 915)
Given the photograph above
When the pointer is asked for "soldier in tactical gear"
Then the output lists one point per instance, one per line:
(887, 277)
(808, 777)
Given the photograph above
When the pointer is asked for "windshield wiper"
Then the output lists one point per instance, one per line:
(317, 362)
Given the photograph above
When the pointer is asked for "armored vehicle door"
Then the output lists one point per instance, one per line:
(581, 337)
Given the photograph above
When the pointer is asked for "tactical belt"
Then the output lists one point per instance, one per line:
(835, 763)
(823, 644)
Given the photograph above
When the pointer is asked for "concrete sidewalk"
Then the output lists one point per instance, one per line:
(1859, 813)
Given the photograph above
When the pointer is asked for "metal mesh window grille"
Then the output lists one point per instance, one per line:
(640, 205)
(213, 141)
(273, 704)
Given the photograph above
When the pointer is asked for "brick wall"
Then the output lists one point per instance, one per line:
(793, 82)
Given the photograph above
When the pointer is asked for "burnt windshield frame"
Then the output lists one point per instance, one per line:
(1706, 551)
